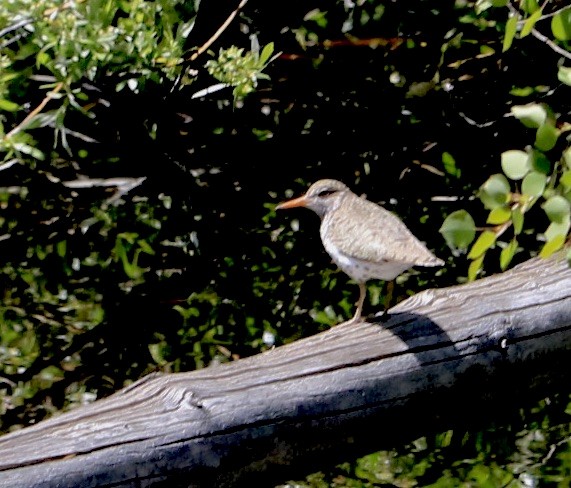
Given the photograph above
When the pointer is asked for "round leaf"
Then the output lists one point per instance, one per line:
(532, 115)
(566, 179)
(533, 184)
(546, 137)
(515, 164)
(495, 191)
(567, 157)
(539, 162)
(557, 208)
(561, 25)
(557, 228)
(458, 229)
(564, 75)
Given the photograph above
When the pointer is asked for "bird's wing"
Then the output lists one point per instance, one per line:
(371, 233)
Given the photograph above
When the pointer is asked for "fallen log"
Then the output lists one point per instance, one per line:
(443, 356)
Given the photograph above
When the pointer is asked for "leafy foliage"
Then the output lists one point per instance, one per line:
(520, 452)
(99, 244)
(240, 70)
(537, 174)
(54, 48)
(137, 227)
(528, 177)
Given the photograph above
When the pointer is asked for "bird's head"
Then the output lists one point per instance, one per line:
(321, 197)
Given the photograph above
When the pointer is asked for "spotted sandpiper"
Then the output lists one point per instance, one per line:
(365, 240)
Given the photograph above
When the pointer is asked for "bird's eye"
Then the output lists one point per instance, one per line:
(326, 193)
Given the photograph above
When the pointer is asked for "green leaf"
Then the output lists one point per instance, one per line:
(499, 215)
(511, 29)
(158, 352)
(486, 51)
(266, 53)
(564, 75)
(507, 254)
(475, 267)
(482, 5)
(42, 58)
(557, 228)
(566, 179)
(515, 164)
(458, 229)
(316, 15)
(145, 247)
(567, 157)
(557, 208)
(546, 137)
(534, 184)
(130, 237)
(517, 220)
(482, 244)
(561, 25)
(552, 246)
(495, 191)
(525, 91)
(532, 115)
(27, 149)
(530, 23)
(8, 106)
(450, 164)
(539, 162)
(529, 6)
(61, 248)
(131, 269)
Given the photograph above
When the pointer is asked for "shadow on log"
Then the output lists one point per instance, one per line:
(444, 356)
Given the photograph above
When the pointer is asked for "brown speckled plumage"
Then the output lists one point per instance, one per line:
(365, 240)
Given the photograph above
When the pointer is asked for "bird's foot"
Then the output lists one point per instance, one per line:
(356, 319)
(382, 317)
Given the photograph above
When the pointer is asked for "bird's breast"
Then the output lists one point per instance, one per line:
(342, 250)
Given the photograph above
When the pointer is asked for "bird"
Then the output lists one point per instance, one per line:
(365, 240)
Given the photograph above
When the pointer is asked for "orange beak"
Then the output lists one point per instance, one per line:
(296, 202)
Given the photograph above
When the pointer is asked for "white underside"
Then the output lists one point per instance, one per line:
(362, 271)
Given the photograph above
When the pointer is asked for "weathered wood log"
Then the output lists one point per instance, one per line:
(441, 356)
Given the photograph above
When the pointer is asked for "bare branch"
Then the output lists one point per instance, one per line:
(15, 26)
(219, 32)
(34, 112)
(550, 43)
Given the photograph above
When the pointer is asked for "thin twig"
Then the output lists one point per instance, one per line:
(538, 35)
(552, 14)
(550, 43)
(35, 112)
(15, 26)
(11, 41)
(219, 32)
(59, 8)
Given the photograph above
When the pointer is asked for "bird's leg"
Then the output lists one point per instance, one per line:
(362, 294)
(388, 299)
(389, 295)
